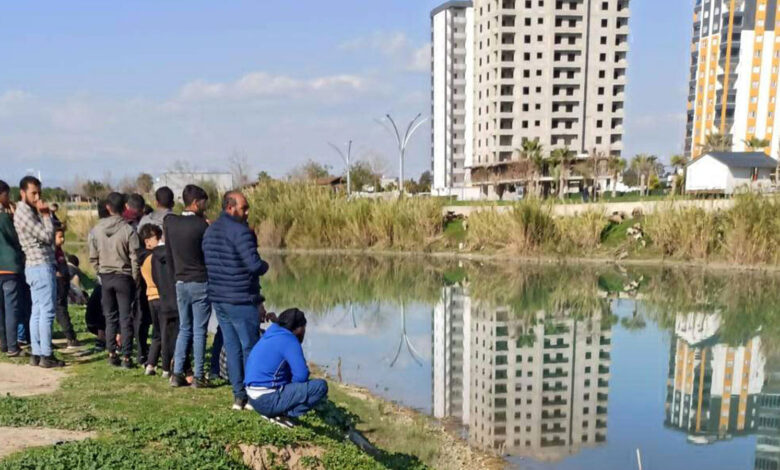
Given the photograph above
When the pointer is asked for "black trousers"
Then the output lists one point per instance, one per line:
(117, 302)
(141, 323)
(61, 311)
(168, 321)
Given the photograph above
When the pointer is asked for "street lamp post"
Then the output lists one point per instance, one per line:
(402, 142)
(347, 158)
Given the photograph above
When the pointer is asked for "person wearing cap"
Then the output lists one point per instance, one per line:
(276, 375)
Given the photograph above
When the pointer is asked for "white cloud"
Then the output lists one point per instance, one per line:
(395, 45)
(265, 85)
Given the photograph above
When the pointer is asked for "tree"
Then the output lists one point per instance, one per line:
(95, 189)
(264, 177)
(362, 175)
(755, 144)
(310, 171)
(644, 165)
(240, 168)
(615, 166)
(563, 157)
(533, 152)
(425, 182)
(716, 142)
(679, 163)
(595, 161)
(144, 183)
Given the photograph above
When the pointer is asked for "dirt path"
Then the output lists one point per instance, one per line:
(25, 381)
(16, 439)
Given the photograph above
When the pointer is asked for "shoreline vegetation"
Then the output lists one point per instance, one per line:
(291, 216)
(142, 422)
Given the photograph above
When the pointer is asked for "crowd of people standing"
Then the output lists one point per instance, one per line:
(161, 271)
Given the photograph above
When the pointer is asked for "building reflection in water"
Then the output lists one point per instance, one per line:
(533, 385)
(716, 391)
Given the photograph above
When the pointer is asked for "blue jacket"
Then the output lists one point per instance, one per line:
(276, 360)
(233, 265)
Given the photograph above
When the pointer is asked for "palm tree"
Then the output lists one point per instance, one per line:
(679, 162)
(563, 157)
(595, 159)
(531, 150)
(716, 142)
(755, 144)
(644, 166)
(616, 166)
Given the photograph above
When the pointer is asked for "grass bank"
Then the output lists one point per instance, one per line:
(297, 216)
(143, 423)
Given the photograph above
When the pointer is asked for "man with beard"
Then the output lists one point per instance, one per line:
(234, 268)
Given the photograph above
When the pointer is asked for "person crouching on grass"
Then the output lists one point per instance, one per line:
(277, 377)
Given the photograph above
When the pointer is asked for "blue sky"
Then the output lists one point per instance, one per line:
(99, 89)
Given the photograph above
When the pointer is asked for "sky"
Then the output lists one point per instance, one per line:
(95, 89)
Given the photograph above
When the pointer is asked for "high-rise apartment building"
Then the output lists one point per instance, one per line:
(735, 56)
(452, 100)
(552, 70)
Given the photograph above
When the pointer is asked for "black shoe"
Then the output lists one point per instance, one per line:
(73, 344)
(17, 353)
(35, 360)
(49, 362)
(178, 381)
(114, 361)
(199, 383)
(239, 404)
(127, 363)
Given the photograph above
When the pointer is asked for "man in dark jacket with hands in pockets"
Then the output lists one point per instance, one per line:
(234, 268)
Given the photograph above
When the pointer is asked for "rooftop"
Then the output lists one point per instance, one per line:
(742, 159)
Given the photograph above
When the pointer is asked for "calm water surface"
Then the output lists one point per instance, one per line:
(556, 368)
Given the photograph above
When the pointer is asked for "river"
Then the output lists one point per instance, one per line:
(555, 367)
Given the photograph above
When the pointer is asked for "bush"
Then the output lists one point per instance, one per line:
(687, 233)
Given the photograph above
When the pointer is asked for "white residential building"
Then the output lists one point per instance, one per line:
(730, 172)
(452, 97)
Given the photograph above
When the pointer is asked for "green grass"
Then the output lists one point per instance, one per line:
(143, 423)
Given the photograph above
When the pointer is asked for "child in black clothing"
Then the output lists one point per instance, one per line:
(63, 288)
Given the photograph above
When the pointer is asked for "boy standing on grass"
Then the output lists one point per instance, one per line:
(113, 251)
(150, 235)
(35, 229)
(11, 266)
(165, 308)
(63, 288)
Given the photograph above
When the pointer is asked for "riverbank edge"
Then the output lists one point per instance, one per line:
(539, 260)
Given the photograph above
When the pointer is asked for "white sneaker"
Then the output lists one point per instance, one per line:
(280, 421)
(150, 370)
(248, 407)
(166, 374)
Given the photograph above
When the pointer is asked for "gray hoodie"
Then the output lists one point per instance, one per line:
(157, 217)
(113, 247)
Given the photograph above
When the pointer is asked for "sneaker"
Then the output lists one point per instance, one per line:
(238, 404)
(279, 421)
(49, 362)
(113, 360)
(150, 370)
(127, 363)
(35, 360)
(248, 407)
(73, 344)
(166, 374)
(199, 383)
(178, 381)
(17, 353)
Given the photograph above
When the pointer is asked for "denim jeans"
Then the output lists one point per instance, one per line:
(240, 325)
(43, 290)
(292, 400)
(194, 314)
(10, 312)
